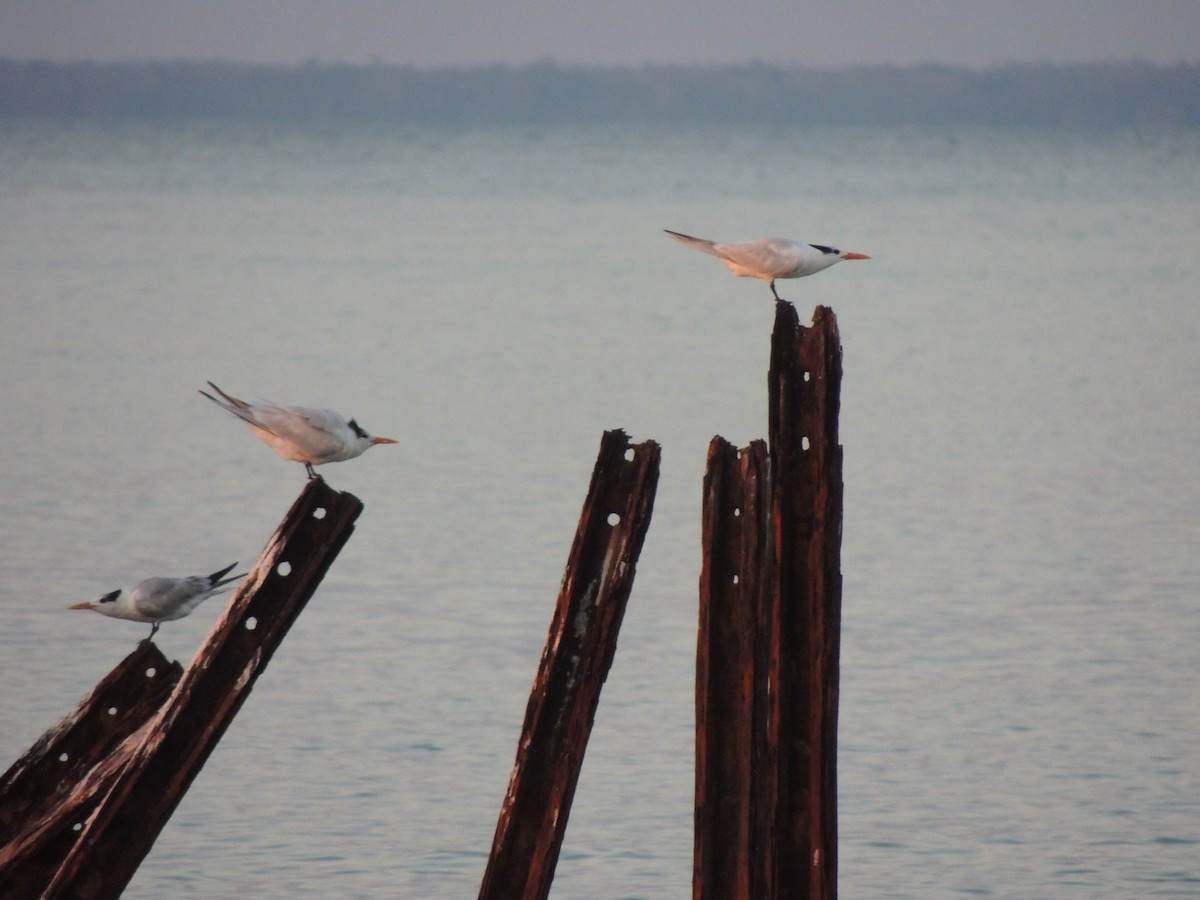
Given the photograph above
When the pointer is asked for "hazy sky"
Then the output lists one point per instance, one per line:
(621, 32)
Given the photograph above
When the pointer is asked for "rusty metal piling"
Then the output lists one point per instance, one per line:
(575, 662)
(95, 792)
(769, 639)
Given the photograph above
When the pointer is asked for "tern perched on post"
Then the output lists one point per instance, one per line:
(769, 258)
(158, 600)
(310, 436)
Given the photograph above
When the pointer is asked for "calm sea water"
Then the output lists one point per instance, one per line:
(1022, 588)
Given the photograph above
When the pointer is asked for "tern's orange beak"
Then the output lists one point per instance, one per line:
(856, 256)
(84, 605)
(383, 441)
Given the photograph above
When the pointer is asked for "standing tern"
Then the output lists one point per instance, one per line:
(769, 258)
(159, 600)
(310, 436)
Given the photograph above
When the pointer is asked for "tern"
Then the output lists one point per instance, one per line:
(310, 436)
(158, 600)
(769, 258)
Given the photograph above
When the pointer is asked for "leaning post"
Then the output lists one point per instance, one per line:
(89, 841)
(575, 662)
(37, 792)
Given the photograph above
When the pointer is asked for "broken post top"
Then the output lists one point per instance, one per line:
(804, 382)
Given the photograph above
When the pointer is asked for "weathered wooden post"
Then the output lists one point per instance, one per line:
(575, 662)
(90, 841)
(767, 665)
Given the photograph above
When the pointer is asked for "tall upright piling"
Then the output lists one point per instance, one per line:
(768, 654)
(730, 683)
(575, 662)
(90, 841)
(806, 598)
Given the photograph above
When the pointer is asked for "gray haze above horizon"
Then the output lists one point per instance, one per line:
(430, 33)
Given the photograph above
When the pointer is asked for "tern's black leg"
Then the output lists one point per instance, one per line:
(153, 630)
(311, 472)
(777, 297)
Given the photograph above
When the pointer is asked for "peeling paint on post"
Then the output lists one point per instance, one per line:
(575, 662)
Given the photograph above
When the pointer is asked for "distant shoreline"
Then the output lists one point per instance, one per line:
(1127, 95)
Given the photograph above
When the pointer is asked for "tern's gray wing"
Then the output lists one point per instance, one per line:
(321, 432)
(765, 256)
(168, 598)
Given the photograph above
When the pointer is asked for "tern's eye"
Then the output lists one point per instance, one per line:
(833, 251)
(111, 598)
(354, 426)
